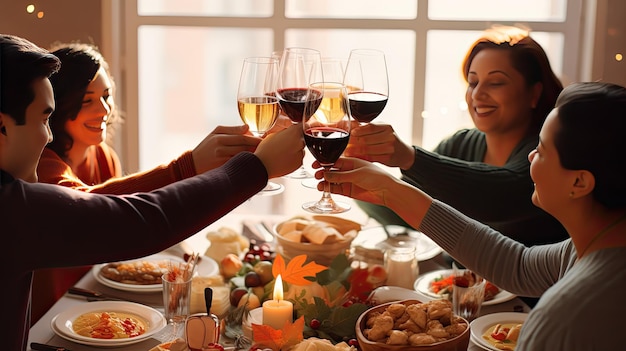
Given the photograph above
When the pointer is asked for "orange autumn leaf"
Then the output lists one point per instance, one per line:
(268, 337)
(296, 270)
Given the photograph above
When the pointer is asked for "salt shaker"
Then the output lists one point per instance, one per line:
(401, 265)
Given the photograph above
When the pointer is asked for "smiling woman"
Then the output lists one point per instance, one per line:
(80, 158)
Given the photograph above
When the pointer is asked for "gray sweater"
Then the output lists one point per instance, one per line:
(497, 196)
(582, 304)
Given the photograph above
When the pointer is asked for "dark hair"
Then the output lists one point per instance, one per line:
(528, 58)
(79, 64)
(592, 118)
(21, 63)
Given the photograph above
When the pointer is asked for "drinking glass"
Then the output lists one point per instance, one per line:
(468, 293)
(368, 84)
(257, 103)
(298, 68)
(333, 70)
(326, 134)
(176, 296)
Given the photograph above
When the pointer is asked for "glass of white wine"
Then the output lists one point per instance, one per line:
(257, 102)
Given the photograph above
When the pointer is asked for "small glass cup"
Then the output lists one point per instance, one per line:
(468, 294)
(401, 265)
(176, 298)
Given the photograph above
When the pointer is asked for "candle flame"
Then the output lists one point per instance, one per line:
(278, 289)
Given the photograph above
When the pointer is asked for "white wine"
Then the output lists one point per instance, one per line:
(258, 112)
(334, 104)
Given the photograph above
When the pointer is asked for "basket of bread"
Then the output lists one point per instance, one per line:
(319, 237)
(412, 325)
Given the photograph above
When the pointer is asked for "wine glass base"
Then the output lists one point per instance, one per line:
(310, 183)
(326, 208)
(299, 173)
(271, 189)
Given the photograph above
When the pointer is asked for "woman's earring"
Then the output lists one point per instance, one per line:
(571, 194)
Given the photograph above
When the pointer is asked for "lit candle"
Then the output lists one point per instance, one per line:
(277, 311)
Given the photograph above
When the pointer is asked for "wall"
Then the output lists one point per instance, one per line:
(63, 20)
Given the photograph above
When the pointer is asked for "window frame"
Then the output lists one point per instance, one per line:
(120, 46)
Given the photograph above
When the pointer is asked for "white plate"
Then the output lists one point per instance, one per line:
(376, 238)
(206, 267)
(62, 322)
(422, 286)
(480, 325)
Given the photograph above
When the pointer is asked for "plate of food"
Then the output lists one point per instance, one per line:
(438, 284)
(108, 323)
(378, 238)
(144, 274)
(497, 331)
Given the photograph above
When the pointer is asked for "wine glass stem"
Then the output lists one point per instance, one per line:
(326, 200)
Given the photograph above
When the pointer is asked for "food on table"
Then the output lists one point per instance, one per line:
(414, 324)
(503, 336)
(318, 231)
(221, 300)
(230, 265)
(138, 272)
(174, 345)
(318, 344)
(444, 285)
(109, 325)
(225, 241)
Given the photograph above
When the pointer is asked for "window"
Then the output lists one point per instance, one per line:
(183, 58)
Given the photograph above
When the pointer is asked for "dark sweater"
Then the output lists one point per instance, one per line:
(52, 226)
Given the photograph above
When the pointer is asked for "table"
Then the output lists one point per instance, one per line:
(41, 331)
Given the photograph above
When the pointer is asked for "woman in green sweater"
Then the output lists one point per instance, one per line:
(482, 171)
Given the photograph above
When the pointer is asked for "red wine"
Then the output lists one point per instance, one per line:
(292, 101)
(326, 144)
(366, 106)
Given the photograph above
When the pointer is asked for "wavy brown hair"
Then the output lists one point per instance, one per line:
(79, 64)
(528, 58)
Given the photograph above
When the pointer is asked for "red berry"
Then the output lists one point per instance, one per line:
(315, 323)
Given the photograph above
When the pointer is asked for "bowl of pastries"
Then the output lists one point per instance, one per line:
(413, 326)
(320, 237)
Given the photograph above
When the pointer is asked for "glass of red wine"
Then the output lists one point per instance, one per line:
(368, 84)
(326, 134)
(257, 105)
(298, 68)
(333, 71)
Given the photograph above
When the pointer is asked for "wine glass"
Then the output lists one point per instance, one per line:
(326, 134)
(257, 105)
(368, 84)
(333, 71)
(298, 68)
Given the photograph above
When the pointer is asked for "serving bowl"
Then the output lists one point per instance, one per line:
(459, 342)
(320, 237)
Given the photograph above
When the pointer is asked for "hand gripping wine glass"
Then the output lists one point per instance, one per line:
(326, 134)
(368, 84)
(298, 68)
(257, 105)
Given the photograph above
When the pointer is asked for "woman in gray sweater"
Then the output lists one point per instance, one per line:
(577, 169)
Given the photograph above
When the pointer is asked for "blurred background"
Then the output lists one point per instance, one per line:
(177, 63)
